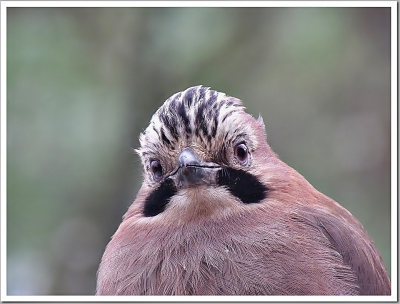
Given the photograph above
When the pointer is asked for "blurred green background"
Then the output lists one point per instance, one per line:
(82, 83)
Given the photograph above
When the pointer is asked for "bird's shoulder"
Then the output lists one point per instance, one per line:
(347, 236)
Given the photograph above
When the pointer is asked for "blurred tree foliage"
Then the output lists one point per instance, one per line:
(82, 83)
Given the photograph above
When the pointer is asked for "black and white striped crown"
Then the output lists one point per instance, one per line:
(196, 114)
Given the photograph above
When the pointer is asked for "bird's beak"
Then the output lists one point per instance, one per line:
(191, 171)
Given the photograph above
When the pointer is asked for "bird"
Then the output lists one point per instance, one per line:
(219, 213)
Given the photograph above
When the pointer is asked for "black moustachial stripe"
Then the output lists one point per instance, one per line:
(243, 185)
(156, 202)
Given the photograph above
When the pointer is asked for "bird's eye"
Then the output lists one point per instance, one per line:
(157, 169)
(241, 153)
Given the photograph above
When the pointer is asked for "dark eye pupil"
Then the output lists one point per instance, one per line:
(156, 168)
(241, 152)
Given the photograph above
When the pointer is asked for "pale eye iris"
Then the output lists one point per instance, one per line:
(157, 169)
(241, 153)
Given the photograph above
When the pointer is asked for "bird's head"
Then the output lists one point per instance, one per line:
(202, 153)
